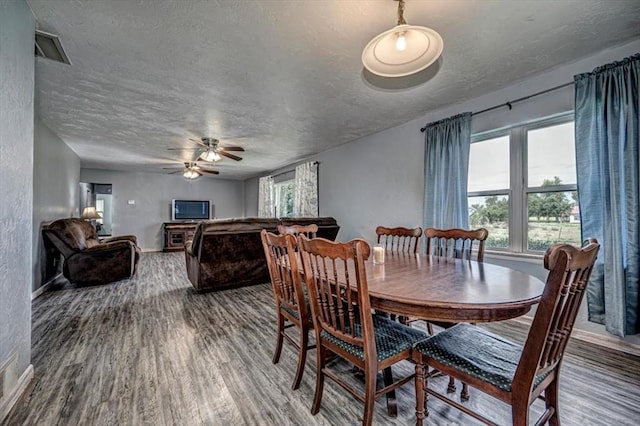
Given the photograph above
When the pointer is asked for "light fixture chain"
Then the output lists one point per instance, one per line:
(401, 20)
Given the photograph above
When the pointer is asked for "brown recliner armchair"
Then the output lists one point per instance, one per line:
(88, 260)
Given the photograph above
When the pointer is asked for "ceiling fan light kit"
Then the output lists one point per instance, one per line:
(191, 174)
(403, 50)
(210, 155)
(210, 150)
(192, 171)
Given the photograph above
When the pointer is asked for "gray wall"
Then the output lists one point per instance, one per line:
(153, 192)
(56, 174)
(16, 186)
(379, 179)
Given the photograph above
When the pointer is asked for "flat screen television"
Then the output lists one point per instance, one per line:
(190, 210)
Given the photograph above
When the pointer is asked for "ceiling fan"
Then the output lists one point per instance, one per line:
(210, 150)
(192, 171)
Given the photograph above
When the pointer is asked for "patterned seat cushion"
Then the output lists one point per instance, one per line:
(295, 314)
(477, 352)
(391, 338)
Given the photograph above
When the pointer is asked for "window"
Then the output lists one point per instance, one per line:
(522, 186)
(284, 198)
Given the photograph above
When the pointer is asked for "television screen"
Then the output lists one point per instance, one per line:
(189, 210)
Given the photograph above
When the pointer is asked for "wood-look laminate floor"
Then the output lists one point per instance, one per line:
(151, 350)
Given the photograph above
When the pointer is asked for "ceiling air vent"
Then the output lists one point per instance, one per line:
(49, 46)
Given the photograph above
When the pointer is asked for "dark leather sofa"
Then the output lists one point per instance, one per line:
(228, 252)
(88, 260)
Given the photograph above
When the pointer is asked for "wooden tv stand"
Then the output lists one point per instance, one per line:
(176, 234)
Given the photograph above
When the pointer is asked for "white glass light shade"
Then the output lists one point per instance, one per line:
(191, 174)
(403, 50)
(210, 155)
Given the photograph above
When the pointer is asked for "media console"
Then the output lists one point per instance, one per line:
(177, 233)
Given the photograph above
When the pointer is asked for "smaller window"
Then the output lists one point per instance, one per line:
(284, 198)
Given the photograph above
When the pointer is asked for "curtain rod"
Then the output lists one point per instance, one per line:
(292, 170)
(510, 103)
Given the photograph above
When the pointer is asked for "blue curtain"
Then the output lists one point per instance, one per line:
(607, 158)
(446, 164)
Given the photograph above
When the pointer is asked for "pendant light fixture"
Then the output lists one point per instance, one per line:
(403, 50)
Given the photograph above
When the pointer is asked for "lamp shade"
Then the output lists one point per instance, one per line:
(403, 50)
(90, 213)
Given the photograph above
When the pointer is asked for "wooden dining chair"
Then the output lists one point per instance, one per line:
(460, 244)
(336, 282)
(456, 242)
(514, 374)
(309, 231)
(291, 307)
(399, 239)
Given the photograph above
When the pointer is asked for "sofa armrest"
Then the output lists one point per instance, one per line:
(131, 238)
(188, 247)
(111, 246)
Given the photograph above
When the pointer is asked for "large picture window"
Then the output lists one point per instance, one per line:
(522, 186)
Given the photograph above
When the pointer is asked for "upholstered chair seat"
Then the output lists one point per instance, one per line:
(391, 338)
(478, 352)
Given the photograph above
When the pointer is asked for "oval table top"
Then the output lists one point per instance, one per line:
(446, 289)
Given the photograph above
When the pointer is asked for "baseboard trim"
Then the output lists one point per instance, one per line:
(45, 287)
(595, 339)
(14, 396)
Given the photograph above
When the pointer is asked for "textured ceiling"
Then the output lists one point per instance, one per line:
(283, 79)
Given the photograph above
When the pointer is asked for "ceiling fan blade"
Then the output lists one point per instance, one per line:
(176, 172)
(231, 148)
(183, 149)
(233, 157)
(212, 172)
(198, 142)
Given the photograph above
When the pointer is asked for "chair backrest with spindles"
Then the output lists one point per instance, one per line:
(456, 242)
(308, 231)
(399, 239)
(336, 282)
(569, 271)
(280, 251)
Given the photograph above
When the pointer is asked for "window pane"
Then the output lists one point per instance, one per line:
(489, 165)
(553, 217)
(284, 198)
(551, 155)
(491, 212)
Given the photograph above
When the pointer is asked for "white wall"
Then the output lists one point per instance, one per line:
(16, 202)
(153, 192)
(56, 174)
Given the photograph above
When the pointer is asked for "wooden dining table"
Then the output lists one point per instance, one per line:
(438, 288)
(453, 290)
